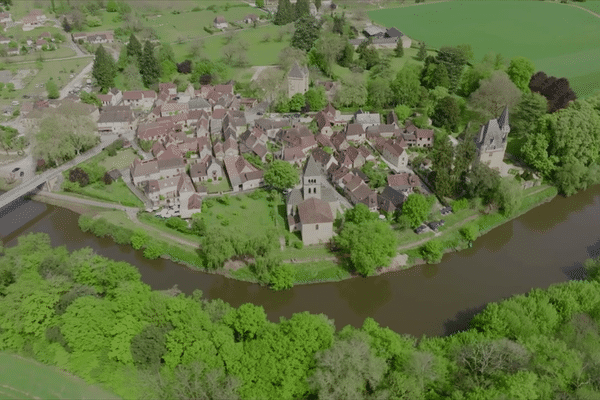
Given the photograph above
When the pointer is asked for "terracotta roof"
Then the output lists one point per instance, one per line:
(220, 19)
(133, 95)
(116, 114)
(195, 202)
(315, 211)
(171, 163)
(144, 168)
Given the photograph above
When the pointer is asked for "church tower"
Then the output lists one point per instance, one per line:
(503, 122)
(311, 181)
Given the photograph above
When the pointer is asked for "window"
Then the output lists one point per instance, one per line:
(317, 227)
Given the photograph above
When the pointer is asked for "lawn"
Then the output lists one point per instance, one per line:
(22, 378)
(159, 223)
(258, 53)
(217, 186)
(320, 271)
(61, 52)
(552, 50)
(255, 219)
(122, 160)
(116, 192)
(59, 70)
(190, 25)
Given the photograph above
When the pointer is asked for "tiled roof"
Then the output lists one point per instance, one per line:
(116, 114)
(315, 211)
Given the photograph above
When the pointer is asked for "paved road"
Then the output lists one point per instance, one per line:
(78, 80)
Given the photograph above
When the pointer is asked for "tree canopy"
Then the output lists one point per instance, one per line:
(281, 175)
(416, 208)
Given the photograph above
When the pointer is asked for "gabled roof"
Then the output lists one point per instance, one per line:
(297, 72)
(321, 156)
(393, 32)
(116, 114)
(503, 119)
(315, 211)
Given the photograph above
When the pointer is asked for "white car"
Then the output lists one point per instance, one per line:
(15, 103)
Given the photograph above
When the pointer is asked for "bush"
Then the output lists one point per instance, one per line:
(85, 223)
(469, 232)
(225, 199)
(458, 205)
(299, 244)
(220, 178)
(153, 250)
(106, 179)
(80, 176)
(283, 277)
(432, 251)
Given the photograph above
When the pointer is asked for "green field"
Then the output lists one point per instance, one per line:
(27, 379)
(122, 160)
(524, 28)
(258, 53)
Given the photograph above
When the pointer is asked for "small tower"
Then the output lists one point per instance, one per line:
(503, 122)
(311, 181)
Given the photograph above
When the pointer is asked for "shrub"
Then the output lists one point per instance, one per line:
(139, 238)
(153, 250)
(80, 176)
(121, 235)
(458, 205)
(243, 206)
(85, 223)
(209, 179)
(469, 232)
(107, 179)
(283, 277)
(220, 178)
(225, 222)
(432, 251)
(299, 244)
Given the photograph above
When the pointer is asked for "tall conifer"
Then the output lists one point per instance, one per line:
(134, 48)
(104, 69)
(149, 67)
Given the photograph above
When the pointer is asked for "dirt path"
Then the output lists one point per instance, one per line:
(130, 211)
(585, 9)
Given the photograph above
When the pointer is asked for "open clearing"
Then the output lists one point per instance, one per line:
(27, 379)
(520, 28)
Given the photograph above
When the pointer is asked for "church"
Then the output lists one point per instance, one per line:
(311, 208)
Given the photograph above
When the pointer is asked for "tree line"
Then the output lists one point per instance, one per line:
(93, 317)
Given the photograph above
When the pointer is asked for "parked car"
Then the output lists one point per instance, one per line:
(16, 169)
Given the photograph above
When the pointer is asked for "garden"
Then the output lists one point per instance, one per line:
(552, 50)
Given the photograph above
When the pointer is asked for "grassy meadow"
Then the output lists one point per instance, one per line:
(21, 378)
(523, 28)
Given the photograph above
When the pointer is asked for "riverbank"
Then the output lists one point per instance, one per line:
(322, 266)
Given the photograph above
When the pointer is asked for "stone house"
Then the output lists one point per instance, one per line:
(242, 174)
(190, 205)
(116, 119)
(143, 99)
(250, 18)
(339, 141)
(208, 168)
(5, 17)
(390, 199)
(359, 192)
(112, 98)
(393, 153)
(220, 22)
(297, 80)
(491, 141)
(404, 182)
(355, 133)
(366, 119)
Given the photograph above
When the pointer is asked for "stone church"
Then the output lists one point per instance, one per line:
(311, 208)
(491, 141)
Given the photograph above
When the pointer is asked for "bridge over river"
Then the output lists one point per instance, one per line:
(45, 177)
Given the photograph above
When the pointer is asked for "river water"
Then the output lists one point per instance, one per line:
(545, 246)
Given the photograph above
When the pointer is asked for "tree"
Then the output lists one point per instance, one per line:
(283, 277)
(90, 98)
(469, 232)
(432, 251)
(520, 71)
(353, 92)
(347, 370)
(289, 56)
(284, 14)
(327, 50)
(528, 111)
(52, 89)
(464, 155)
(367, 255)
(446, 113)
(359, 214)
(78, 175)
(111, 6)
(370, 57)
(557, 91)
(317, 4)
(402, 112)
(185, 67)
(407, 86)
(307, 31)
(316, 98)
(148, 346)
(416, 208)
(483, 182)
(66, 26)
(216, 248)
(435, 75)
(235, 53)
(104, 69)
(455, 59)
(132, 79)
(494, 94)
(442, 157)
(64, 133)
(302, 9)
(149, 67)
(399, 50)
(346, 58)
(509, 196)
(134, 48)
(422, 52)
(380, 93)
(281, 175)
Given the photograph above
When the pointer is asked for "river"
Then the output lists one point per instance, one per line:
(544, 246)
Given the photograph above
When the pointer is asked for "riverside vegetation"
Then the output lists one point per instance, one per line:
(93, 317)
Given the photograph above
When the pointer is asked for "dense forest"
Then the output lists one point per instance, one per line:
(94, 318)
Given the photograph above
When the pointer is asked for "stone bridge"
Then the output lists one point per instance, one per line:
(47, 179)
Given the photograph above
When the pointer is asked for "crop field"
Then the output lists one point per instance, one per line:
(26, 379)
(561, 40)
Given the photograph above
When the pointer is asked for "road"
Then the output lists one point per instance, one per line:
(78, 80)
